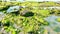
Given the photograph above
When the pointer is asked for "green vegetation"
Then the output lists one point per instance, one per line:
(28, 19)
(58, 19)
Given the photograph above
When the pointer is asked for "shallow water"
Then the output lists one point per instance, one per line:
(54, 26)
(52, 20)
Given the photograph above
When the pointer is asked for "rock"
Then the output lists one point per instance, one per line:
(1, 15)
(27, 13)
(13, 9)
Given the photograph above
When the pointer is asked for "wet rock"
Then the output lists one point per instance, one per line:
(15, 13)
(13, 9)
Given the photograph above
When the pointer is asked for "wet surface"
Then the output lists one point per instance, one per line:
(13, 9)
(54, 25)
(52, 28)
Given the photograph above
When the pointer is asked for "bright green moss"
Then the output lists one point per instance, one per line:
(30, 21)
(58, 19)
(44, 12)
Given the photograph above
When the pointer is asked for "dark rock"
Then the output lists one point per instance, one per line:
(27, 14)
(31, 32)
(6, 24)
